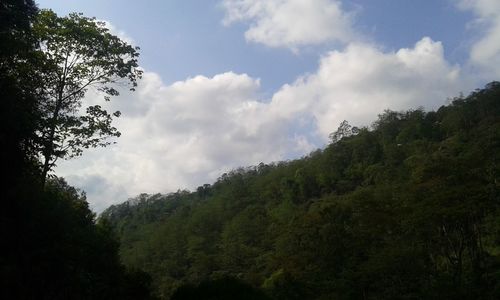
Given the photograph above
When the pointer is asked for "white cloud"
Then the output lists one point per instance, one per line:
(180, 136)
(485, 8)
(291, 23)
(360, 82)
(188, 133)
(485, 52)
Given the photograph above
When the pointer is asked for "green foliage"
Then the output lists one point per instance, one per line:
(405, 210)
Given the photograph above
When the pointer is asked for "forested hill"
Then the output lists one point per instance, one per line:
(408, 209)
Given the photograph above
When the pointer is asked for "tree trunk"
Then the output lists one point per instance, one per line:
(49, 151)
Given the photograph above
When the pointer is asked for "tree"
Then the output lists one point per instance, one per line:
(344, 130)
(78, 53)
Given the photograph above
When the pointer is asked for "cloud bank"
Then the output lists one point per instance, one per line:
(188, 133)
(361, 81)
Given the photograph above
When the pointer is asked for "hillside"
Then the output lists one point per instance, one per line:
(406, 209)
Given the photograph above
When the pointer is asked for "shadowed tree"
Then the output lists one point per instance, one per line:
(17, 116)
(78, 53)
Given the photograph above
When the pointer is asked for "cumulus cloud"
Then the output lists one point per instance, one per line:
(291, 23)
(485, 52)
(188, 133)
(361, 81)
(183, 135)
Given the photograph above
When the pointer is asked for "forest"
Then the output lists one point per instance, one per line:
(407, 208)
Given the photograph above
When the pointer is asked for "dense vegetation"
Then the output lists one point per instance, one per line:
(52, 245)
(408, 209)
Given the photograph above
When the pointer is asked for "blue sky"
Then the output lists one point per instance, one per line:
(184, 38)
(232, 83)
(180, 39)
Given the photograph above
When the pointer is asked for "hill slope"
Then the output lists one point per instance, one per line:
(406, 210)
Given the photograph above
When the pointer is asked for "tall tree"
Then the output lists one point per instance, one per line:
(79, 53)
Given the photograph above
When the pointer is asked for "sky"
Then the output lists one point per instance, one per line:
(230, 83)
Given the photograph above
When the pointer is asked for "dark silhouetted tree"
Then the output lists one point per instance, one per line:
(78, 53)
